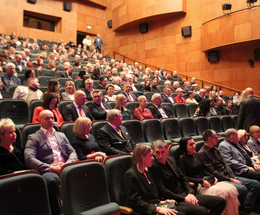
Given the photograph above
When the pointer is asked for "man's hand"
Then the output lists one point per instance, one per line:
(56, 168)
(191, 199)
(251, 168)
(235, 181)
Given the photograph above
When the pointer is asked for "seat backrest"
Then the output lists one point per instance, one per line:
(96, 125)
(23, 193)
(11, 89)
(47, 72)
(112, 104)
(215, 124)
(148, 96)
(77, 83)
(152, 130)
(75, 74)
(191, 108)
(116, 167)
(84, 187)
(198, 145)
(187, 126)
(180, 110)
(175, 151)
(43, 80)
(67, 129)
(226, 122)
(62, 104)
(169, 106)
(234, 120)
(63, 81)
(131, 106)
(201, 124)
(134, 128)
(137, 93)
(18, 142)
(34, 103)
(170, 128)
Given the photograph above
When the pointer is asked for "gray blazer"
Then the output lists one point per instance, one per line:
(38, 152)
(254, 146)
(233, 157)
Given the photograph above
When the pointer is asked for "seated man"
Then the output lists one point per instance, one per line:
(8, 78)
(130, 80)
(78, 108)
(179, 98)
(175, 77)
(88, 90)
(130, 97)
(200, 96)
(236, 157)
(154, 88)
(176, 85)
(113, 138)
(117, 83)
(167, 173)
(46, 151)
(219, 107)
(166, 97)
(187, 87)
(29, 92)
(157, 109)
(216, 165)
(99, 108)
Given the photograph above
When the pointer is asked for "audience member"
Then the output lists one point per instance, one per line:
(219, 107)
(130, 97)
(200, 96)
(96, 73)
(114, 138)
(214, 89)
(103, 83)
(213, 95)
(88, 89)
(179, 98)
(53, 87)
(236, 98)
(3, 92)
(130, 80)
(195, 88)
(146, 87)
(142, 112)
(120, 105)
(8, 78)
(187, 87)
(176, 85)
(206, 108)
(38, 63)
(229, 108)
(254, 140)
(78, 108)
(154, 87)
(110, 97)
(87, 42)
(117, 83)
(69, 91)
(207, 89)
(98, 43)
(166, 97)
(29, 92)
(50, 103)
(221, 95)
(175, 77)
(46, 151)
(190, 99)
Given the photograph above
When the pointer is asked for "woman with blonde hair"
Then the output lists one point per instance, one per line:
(142, 112)
(120, 105)
(70, 90)
(52, 65)
(85, 143)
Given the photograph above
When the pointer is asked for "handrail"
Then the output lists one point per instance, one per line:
(230, 90)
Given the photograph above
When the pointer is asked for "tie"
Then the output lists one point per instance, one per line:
(81, 111)
(11, 81)
(120, 133)
(102, 106)
(129, 97)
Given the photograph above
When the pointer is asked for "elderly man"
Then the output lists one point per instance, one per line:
(114, 138)
(98, 43)
(117, 83)
(253, 141)
(88, 90)
(175, 77)
(166, 97)
(129, 96)
(99, 108)
(29, 92)
(249, 113)
(200, 96)
(237, 158)
(46, 151)
(157, 110)
(8, 78)
(176, 85)
(78, 108)
(130, 80)
(187, 87)
(216, 165)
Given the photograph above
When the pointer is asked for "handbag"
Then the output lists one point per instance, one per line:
(171, 205)
(210, 179)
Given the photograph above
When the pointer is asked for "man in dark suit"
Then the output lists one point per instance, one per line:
(166, 97)
(39, 155)
(88, 90)
(167, 173)
(154, 83)
(114, 138)
(249, 113)
(219, 107)
(200, 96)
(157, 110)
(99, 108)
(72, 111)
(8, 78)
(98, 42)
(130, 97)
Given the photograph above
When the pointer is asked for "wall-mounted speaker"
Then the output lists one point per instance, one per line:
(213, 56)
(32, 1)
(257, 54)
(67, 6)
(186, 31)
(109, 23)
(143, 28)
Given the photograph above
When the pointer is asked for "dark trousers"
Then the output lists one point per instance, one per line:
(251, 174)
(98, 50)
(53, 186)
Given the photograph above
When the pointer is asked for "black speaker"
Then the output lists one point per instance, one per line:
(226, 6)
(186, 31)
(67, 6)
(143, 28)
(109, 23)
(213, 56)
(32, 1)
(257, 54)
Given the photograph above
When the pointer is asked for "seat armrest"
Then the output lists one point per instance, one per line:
(126, 210)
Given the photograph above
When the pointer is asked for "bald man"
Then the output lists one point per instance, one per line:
(249, 113)
(78, 108)
(46, 151)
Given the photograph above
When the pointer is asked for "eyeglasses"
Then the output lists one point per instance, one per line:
(96, 96)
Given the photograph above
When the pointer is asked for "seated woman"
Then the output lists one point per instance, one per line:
(53, 87)
(229, 107)
(110, 97)
(212, 95)
(29, 73)
(11, 156)
(69, 91)
(190, 98)
(142, 112)
(142, 195)
(120, 105)
(179, 98)
(51, 65)
(146, 87)
(253, 141)
(85, 143)
(206, 108)
(50, 102)
(103, 83)
(206, 183)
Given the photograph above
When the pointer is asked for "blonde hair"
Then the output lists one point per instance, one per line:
(140, 149)
(80, 126)
(253, 129)
(140, 98)
(5, 123)
(70, 82)
(118, 103)
(242, 97)
(240, 133)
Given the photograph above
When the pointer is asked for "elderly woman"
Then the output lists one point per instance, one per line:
(120, 105)
(179, 98)
(69, 91)
(50, 102)
(190, 98)
(110, 97)
(142, 195)
(206, 183)
(11, 156)
(206, 108)
(85, 143)
(142, 112)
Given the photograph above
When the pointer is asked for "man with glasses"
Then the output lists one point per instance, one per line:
(99, 108)
(215, 164)
(157, 109)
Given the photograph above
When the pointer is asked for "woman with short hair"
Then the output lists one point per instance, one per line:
(142, 112)
(110, 97)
